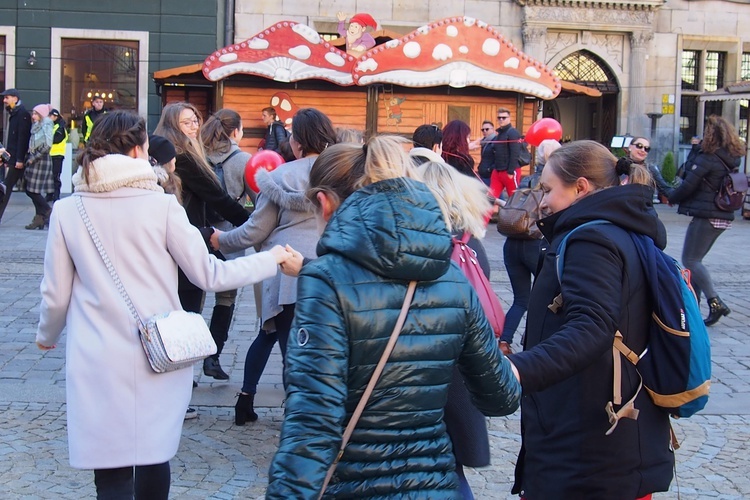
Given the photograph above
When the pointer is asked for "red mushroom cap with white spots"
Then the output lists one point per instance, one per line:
(285, 52)
(456, 51)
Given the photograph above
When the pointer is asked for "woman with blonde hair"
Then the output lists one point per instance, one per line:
(201, 191)
(720, 152)
(464, 203)
(384, 229)
(569, 447)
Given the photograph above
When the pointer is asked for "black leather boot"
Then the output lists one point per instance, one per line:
(212, 368)
(243, 410)
(718, 309)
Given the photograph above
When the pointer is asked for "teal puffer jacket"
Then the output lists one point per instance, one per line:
(381, 237)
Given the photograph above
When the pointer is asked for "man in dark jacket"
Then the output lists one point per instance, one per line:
(507, 150)
(276, 133)
(17, 142)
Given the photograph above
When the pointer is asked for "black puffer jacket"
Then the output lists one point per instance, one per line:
(381, 237)
(566, 367)
(702, 179)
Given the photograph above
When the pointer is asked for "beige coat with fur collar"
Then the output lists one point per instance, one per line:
(120, 412)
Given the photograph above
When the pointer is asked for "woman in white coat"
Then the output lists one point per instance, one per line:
(124, 420)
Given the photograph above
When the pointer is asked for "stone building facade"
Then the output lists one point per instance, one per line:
(650, 58)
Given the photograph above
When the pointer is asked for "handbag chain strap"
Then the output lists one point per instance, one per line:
(371, 385)
(108, 263)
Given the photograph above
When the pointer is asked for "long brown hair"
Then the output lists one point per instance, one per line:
(719, 133)
(169, 127)
(117, 132)
(215, 133)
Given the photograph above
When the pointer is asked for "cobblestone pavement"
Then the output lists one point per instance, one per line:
(220, 460)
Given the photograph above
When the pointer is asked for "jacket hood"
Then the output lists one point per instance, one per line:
(286, 186)
(393, 228)
(732, 162)
(629, 207)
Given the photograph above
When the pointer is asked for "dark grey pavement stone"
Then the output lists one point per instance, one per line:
(220, 460)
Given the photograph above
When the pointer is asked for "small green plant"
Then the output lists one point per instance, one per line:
(668, 168)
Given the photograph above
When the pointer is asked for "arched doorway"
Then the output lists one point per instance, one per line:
(584, 117)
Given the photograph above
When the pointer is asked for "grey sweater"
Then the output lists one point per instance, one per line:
(282, 216)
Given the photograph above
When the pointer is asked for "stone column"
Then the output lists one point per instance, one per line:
(533, 42)
(637, 119)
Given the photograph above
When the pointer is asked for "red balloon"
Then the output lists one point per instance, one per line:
(267, 160)
(541, 130)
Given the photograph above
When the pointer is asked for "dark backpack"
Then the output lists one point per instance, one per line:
(675, 367)
(524, 157)
(732, 189)
(466, 258)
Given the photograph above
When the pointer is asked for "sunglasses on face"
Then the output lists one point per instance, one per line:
(487, 129)
(503, 117)
(638, 145)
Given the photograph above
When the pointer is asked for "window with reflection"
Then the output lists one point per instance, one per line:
(106, 68)
(714, 70)
(690, 69)
(587, 69)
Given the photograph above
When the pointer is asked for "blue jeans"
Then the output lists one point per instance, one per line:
(260, 350)
(699, 238)
(521, 258)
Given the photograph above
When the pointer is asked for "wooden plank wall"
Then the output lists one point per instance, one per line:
(200, 98)
(345, 109)
(348, 109)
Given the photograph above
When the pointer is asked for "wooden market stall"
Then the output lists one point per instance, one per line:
(455, 68)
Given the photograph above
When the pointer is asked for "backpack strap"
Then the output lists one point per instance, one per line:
(628, 410)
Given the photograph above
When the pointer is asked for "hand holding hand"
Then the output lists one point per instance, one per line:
(281, 254)
(293, 265)
(214, 239)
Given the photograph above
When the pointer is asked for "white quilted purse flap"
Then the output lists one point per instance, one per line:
(185, 335)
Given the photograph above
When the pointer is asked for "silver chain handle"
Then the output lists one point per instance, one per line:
(108, 263)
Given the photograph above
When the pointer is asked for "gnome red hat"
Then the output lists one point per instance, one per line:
(364, 20)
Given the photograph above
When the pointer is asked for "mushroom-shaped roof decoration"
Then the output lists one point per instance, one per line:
(456, 51)
(285, 52)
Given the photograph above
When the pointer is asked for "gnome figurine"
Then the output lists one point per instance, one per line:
(357, 39)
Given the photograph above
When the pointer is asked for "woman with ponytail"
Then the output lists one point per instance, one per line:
(123, 419)
(220, 136)
(383, 229)
(569, 447)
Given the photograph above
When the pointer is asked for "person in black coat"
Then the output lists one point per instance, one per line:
(719, 153)
(201, 191)
(566, 369)
(17, 146)
(276, 133)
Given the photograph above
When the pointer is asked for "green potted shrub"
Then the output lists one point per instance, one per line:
(668, 168)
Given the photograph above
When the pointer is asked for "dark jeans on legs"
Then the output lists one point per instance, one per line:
(41, 207)
(699, 238)
(146, 482)
(260, 349)
(57, 164)
(521, 258)
(11, 178)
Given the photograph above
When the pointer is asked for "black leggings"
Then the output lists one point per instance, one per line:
(151, 482)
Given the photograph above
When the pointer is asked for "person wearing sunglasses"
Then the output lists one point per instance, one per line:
(637, 153)
(487, 158)
(506, 173)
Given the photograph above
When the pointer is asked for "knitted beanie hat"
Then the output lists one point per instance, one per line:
(43, 109)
